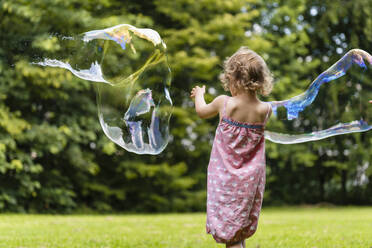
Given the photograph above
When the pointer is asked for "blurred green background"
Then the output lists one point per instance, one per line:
(55, 158)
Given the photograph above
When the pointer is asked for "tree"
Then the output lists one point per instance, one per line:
(54, 156)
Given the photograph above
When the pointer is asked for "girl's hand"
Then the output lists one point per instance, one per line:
(370, 101)
(197, 91)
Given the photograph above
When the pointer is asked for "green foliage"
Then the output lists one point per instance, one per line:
(54, 156)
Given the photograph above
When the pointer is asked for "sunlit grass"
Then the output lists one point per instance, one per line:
(278, 227)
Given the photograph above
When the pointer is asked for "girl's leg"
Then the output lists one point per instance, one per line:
(234, 246)
(237, 245)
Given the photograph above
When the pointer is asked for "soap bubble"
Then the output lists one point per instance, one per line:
(130, 64)
(335, 103)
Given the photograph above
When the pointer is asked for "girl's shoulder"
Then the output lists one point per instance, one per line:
(265, 109)
(264, 106)
(220, 100)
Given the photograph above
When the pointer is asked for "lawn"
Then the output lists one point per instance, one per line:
(278, 227)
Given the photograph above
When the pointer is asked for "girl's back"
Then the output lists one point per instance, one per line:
(246, 110)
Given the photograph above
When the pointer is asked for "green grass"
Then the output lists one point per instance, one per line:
(278, 227)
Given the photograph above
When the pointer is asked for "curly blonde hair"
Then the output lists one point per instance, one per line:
(246, 70)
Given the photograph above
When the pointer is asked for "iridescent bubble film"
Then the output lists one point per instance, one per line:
(335, 103)
(130, 66)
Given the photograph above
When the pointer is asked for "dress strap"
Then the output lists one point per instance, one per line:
(267, 114)
(224, 105)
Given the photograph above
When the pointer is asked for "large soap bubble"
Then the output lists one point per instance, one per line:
(130, 64)
(335, 103)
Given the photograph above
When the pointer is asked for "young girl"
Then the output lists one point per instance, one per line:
(236, 170)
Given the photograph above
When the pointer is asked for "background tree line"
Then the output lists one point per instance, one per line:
(54, 156)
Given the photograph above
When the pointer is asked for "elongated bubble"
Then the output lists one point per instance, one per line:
(130, 66)
(335, 103)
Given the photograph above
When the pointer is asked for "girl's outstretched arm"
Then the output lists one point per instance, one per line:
(203, 109)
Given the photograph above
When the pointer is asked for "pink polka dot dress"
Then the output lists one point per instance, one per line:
(236, 179)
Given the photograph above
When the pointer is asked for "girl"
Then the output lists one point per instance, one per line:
(236, 170)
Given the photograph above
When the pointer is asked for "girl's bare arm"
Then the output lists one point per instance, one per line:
(203, 109)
